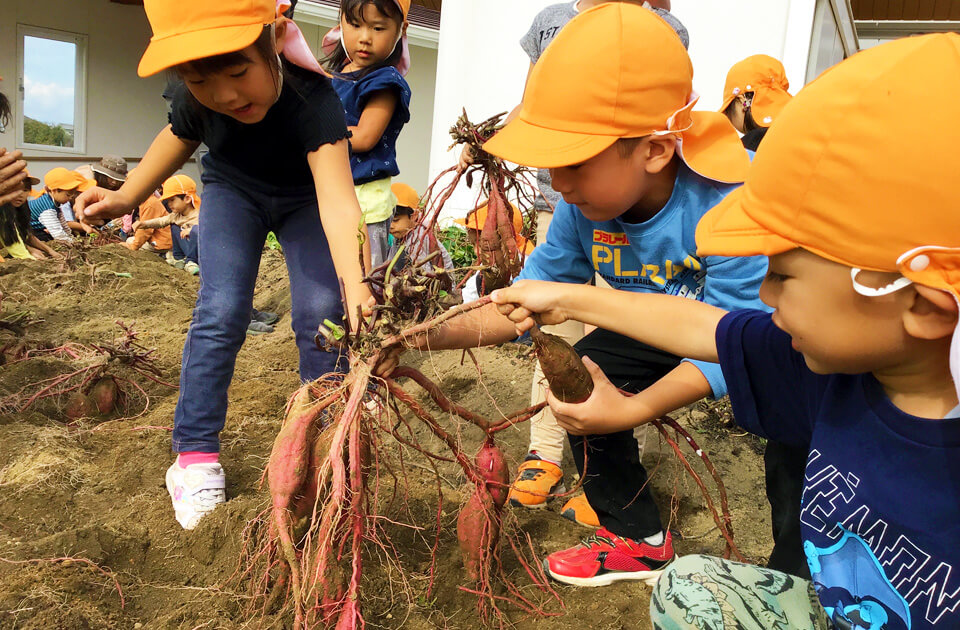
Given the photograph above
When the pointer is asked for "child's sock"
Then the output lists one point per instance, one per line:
(194, 457)
(542, 458)
(656, 540)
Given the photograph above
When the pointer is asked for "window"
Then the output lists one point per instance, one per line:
(52, 80)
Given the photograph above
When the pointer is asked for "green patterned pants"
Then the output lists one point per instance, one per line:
(707, 593)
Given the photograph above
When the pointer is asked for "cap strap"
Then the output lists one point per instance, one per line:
(866, 291)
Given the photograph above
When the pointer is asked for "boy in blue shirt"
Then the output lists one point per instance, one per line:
(46, 220)
(637, 170)
(860, 358)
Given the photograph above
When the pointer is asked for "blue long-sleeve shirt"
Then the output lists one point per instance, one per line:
(656, 256)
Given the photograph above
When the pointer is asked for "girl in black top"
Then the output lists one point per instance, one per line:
(278, 161)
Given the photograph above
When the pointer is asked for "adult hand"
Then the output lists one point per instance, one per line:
(606, 411)
(102, 204)
(526, 298)
(12, 173)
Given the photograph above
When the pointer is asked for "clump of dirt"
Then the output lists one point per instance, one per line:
(84, 505)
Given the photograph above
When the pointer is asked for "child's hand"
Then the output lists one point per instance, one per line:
(135, 226)
(528, 298)
(606, 411)
(104, 204)
(466, 158)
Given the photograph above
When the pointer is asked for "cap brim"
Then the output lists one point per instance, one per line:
(712, 148)
(727, 230)
(171, 51)
(523, 143)
(33, 181)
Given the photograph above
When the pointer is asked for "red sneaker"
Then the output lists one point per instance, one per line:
(605, 558)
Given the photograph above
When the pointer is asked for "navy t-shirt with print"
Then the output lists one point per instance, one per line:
(881, 502)
(380, 161)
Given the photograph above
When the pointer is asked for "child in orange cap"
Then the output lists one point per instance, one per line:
(405, 231)
(278, 161)
(46, 219)
(860, 358)
(637, 170)
(753, 96)
(179, 195)
(539, 478)
(369, 56)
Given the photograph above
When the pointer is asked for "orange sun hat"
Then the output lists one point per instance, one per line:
(765, 77)
(406, 195)
(854, 173)
(61, 179)
(184, 30)
(575, 108)
(180, 185)
(477, 218)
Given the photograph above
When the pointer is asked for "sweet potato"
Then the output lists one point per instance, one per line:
(567, 375)
(493, 467)
(79, 405)
(478, 531)
(104, 395)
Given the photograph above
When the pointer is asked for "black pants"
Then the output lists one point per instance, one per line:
(615, 481)
(785, 467)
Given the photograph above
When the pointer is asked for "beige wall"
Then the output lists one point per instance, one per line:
(123, 111)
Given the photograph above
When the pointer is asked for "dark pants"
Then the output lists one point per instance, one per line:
(238, 211)
(615, 481)
(185, 248)
(785, 466)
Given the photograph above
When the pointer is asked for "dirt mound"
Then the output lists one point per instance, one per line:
(84, 515)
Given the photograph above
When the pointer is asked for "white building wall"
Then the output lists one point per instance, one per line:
(484, 69)
(123, 111)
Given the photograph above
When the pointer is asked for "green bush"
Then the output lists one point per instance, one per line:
(460, 248)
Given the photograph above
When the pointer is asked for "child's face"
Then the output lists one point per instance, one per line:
(22, 197)
(736, 114)
(835, 328)
(61, 197)
(401, 225)
(607, 185)
(245, 91)
(371, 39)
(178, 204)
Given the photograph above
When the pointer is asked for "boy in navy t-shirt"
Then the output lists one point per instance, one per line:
(860, 358)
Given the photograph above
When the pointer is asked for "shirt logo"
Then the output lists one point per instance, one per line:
(610, 238)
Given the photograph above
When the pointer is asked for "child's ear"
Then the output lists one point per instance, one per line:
(933, 314)
(659, 152)
(280, 32)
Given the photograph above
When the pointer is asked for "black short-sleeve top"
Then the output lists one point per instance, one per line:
(307, 115)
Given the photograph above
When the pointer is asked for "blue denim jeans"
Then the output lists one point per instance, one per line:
(185, 248)
(237, 213)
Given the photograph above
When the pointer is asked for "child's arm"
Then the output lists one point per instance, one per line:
(50, 220)
(81, 227)
(374, 120)
(36, 243)
(680, 326)
(164, 157)
(342, 220)
(154, 224)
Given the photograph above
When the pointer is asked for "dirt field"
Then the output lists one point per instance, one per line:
(95, 492)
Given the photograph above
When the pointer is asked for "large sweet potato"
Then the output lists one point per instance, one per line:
(566, 374)
(478, 531)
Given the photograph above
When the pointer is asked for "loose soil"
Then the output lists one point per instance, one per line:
(95, 493)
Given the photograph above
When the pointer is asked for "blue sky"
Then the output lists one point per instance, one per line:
(48, 68)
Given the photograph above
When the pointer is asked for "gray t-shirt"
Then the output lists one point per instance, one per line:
(543, 31)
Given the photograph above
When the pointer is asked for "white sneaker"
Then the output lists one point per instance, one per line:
(195, 490)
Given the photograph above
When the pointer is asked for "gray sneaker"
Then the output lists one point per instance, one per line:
(266, 317)
(258, 328)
